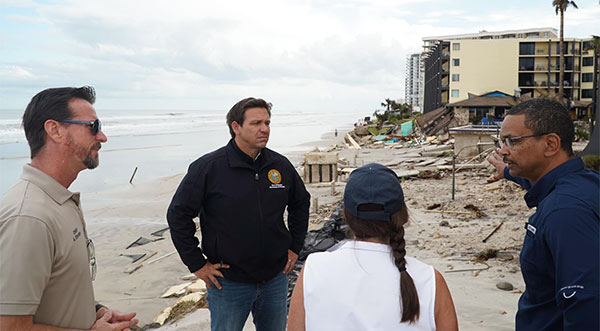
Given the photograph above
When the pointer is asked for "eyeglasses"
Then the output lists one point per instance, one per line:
(95, 125)
(510, 141)
(92, 255)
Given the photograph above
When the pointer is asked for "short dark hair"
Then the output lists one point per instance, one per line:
(237, 112)
(544, 116)
(50, 104)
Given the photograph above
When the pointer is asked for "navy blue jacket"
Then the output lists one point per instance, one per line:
(241, 203)
(561, 251)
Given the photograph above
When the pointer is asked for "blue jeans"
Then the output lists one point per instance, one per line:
(229, 307)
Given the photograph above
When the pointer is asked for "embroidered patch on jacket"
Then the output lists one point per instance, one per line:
(275, 179)
(274, 176)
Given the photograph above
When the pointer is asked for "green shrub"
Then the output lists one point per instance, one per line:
(592, 162)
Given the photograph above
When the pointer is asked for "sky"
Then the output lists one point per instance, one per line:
(314, 55)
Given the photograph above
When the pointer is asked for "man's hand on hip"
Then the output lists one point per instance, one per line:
(210, 272)
(292, 258)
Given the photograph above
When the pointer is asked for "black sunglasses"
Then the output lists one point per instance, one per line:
(95, 125)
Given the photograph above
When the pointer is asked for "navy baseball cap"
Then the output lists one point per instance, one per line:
(376, 184)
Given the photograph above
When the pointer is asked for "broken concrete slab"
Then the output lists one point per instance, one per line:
(177, 290)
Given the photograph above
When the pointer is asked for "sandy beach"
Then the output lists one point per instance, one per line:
(448, 241)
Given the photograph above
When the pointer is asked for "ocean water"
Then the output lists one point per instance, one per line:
(162, 143)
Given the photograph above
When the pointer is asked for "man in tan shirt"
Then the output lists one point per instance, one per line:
(47, 261)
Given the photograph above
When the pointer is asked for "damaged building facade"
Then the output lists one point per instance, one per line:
(515, 63)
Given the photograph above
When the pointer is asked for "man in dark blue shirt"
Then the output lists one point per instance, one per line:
(560, 254)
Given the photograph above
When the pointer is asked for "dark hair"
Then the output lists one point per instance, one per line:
(50, 104)
(547, 116)
(393, 231)
(237, 112)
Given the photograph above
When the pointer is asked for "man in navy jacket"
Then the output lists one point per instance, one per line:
(561, 251)
(240, 193)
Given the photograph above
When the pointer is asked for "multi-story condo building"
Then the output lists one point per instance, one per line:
(413, 83)
(457, 66)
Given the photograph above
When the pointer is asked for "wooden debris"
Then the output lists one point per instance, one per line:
(352, 142)
(161, 257)
(493, 188)
(447, 212)
(493, 231)
(463, 270)
(133, 268)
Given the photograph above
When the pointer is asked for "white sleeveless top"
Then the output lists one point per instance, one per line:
(357, 287)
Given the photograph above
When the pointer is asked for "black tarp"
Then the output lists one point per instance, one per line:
(332, 232)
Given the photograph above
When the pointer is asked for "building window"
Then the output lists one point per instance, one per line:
(588, 61)
(520, 35)
(526, 63)
(587, 77)
(455, 93)
(456, 62)
(587, 93)
(456, 47)
(545, 34)
(455, 77)
(526, 48)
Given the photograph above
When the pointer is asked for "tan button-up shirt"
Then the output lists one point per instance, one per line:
(44, 260)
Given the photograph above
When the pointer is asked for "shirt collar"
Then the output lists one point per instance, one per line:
(49, 185)
(540, 190)
(238, 158)
(365, 245)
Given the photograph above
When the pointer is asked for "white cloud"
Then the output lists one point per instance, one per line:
(185, 53)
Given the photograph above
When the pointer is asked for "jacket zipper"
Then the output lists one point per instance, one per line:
(260, 213)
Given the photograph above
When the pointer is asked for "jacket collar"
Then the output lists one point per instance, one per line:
(237, 158)
(47, 184)
(546, 184)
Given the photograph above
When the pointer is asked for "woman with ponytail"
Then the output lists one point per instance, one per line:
(369, 283)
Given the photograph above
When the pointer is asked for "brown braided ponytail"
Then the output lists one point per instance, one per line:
(394, 232)
(408, 292)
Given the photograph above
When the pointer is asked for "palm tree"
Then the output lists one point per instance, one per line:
(561, 7)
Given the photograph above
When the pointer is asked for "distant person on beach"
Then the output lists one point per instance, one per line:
(240, 193)
(369, 283)
(47, 261)
(561, 251)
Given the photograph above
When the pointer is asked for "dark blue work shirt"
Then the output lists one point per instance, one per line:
(561, 250)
